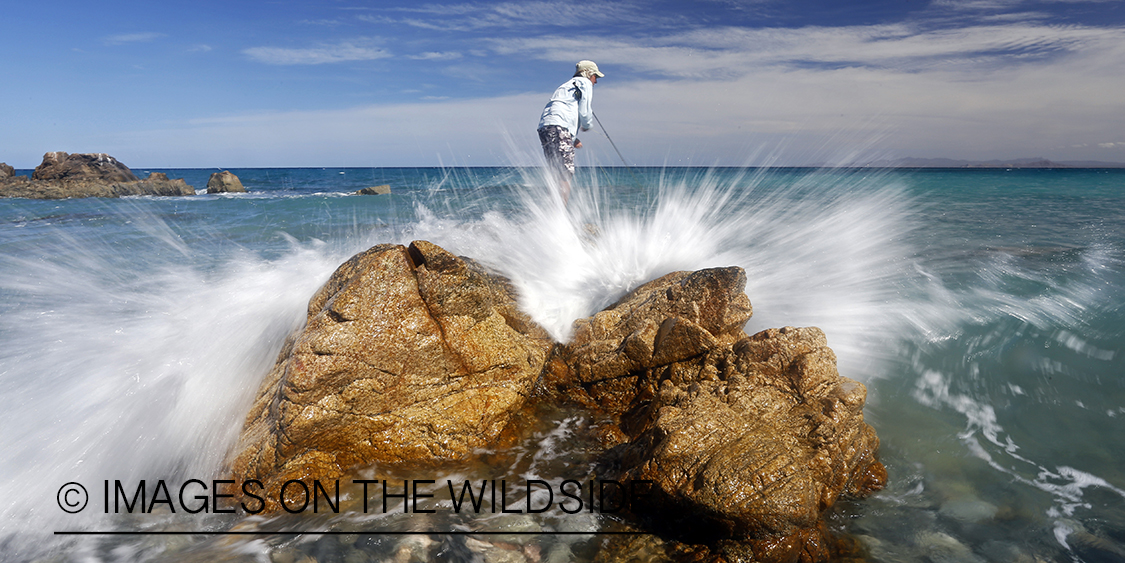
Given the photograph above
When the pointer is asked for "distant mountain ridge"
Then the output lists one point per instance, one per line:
(1038, 162)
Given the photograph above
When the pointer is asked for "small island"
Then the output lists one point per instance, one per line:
(64, 176)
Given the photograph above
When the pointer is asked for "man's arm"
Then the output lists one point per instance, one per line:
(585, 111)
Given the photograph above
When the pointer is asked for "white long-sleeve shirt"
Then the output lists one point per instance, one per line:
(570, 106)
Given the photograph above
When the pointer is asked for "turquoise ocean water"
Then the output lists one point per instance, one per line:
(984, 310)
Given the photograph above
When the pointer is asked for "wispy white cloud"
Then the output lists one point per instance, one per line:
(421, 133)
(344, 51)
(961, 78)
(731, 52)
(978, 93)
(994, 5)
(475, 16)
(201, 48)
(140, 37)
(793, 115)
(323, 22)
(975, 5)
(436, 56)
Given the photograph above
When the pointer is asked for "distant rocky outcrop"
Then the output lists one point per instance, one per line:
(224, 182)
(1034, 163)
(63, 175)
(412, 356)
(90, 167)
(6, 171)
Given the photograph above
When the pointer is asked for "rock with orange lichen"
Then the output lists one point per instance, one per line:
(744, 438)
(409, 356)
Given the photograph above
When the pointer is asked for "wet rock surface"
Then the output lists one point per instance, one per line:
(679, 316)
(744, 437)
(412, 356)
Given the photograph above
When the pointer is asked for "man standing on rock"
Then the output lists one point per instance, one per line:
(568, 111)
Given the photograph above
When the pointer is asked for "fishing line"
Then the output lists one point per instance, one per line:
(614, 145)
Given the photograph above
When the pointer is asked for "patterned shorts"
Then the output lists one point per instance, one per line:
(558, 147)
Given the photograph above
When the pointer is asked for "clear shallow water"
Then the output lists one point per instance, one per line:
(982, 308)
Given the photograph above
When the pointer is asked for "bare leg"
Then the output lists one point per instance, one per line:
(564, 190)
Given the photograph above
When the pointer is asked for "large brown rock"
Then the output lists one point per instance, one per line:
(6, 171)
(745, 438)
(755, 442)
(413, 356)
(224, 182)
(63, 176)
(89, 167)
(410, 355)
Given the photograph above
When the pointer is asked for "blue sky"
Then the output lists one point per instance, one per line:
(291, 83)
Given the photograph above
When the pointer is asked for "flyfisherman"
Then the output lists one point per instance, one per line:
(568, 111)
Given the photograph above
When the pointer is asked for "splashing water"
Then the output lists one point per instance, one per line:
(132, 353)
(136, 332)
(817, 248)
(130, 356)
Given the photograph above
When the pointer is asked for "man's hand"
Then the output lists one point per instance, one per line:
(577, 144)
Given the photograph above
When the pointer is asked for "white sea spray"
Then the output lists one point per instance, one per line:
(129, 360)
(130, 353)
(817, 249)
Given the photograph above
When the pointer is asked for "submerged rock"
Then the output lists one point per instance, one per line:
(1095, 548)
(969, 510)
(224, 182)
(413, 356)
(63, 176)
(941, 547)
